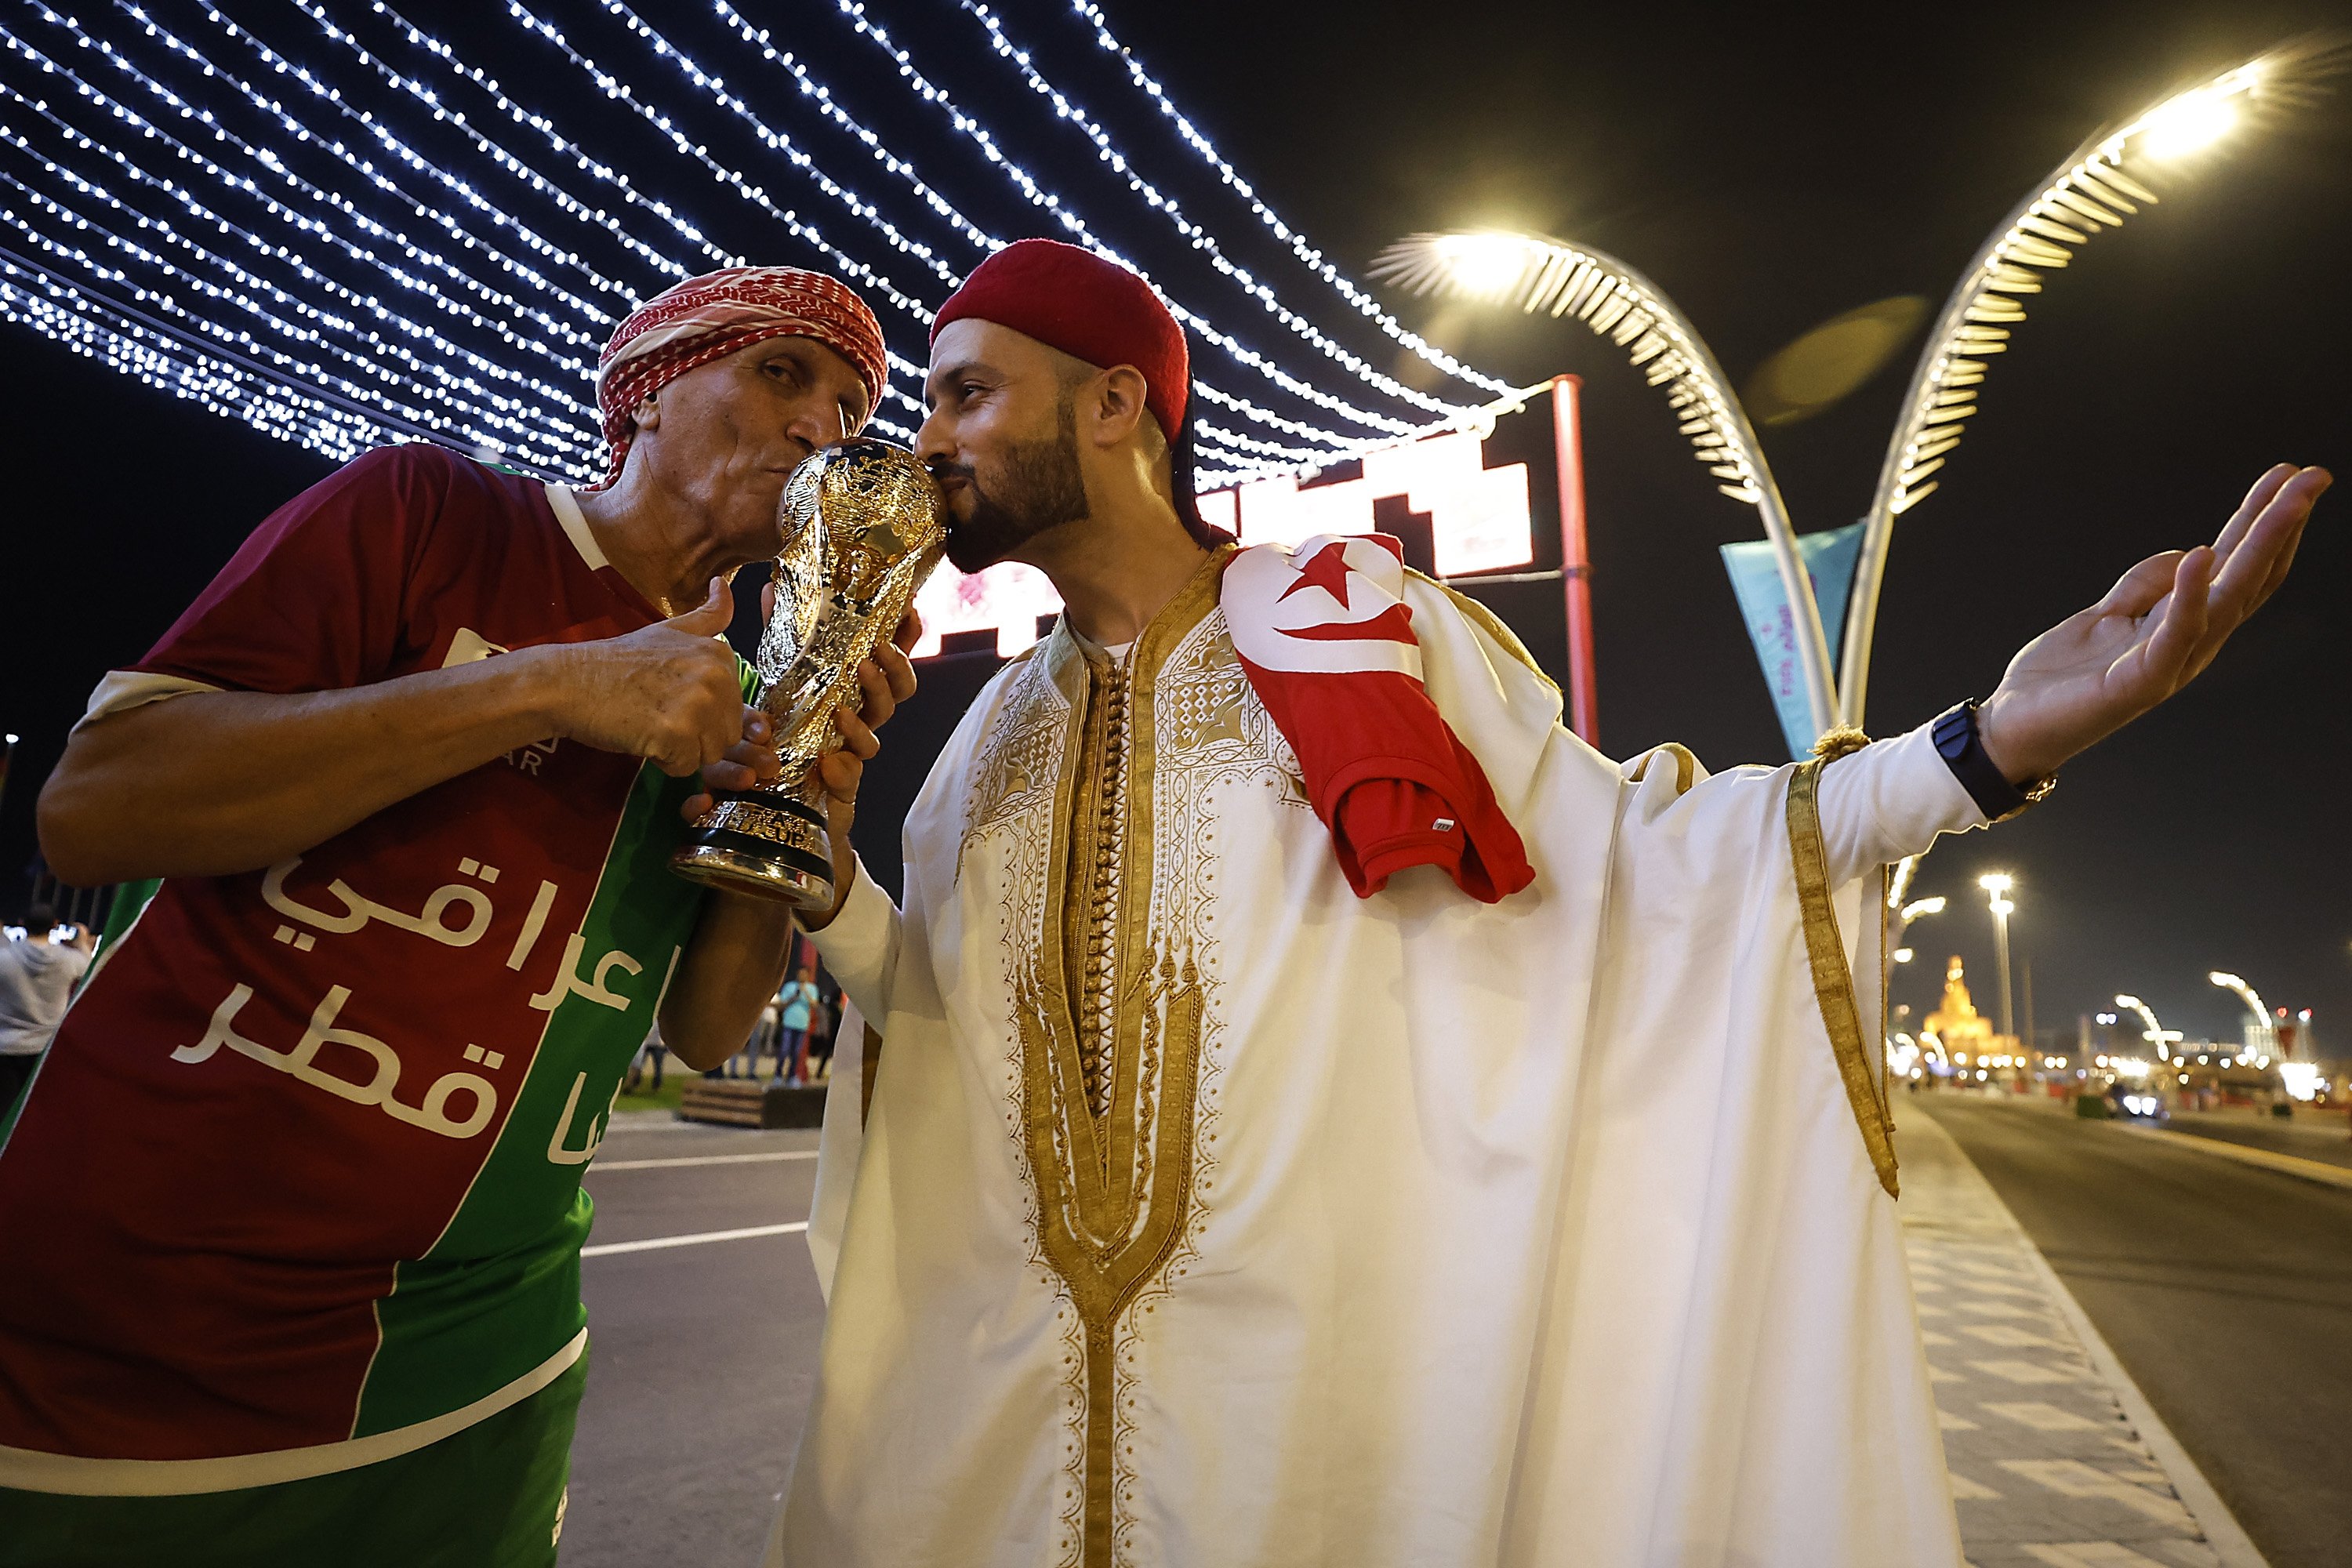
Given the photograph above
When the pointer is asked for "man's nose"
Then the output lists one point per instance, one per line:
(817, 425)
(935, 439)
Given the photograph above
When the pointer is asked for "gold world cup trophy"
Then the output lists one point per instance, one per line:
(864, 524)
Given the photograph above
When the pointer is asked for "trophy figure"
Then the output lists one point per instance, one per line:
(862, 526)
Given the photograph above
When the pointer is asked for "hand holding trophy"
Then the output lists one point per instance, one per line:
(862, 526)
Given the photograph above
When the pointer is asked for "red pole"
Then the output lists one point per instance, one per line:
(1575, 559)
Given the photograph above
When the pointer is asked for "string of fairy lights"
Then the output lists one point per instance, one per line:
(339, 227)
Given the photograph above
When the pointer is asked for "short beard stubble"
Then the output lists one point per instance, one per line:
(1038, 488)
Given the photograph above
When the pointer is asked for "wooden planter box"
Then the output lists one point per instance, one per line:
(747, 1103)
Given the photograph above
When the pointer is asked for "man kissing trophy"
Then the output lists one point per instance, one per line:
(862, 526)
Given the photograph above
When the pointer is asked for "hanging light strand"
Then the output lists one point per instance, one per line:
(476, 262)
(619, 91)
(597, 316)
(41, 239)
(160, 360)
(273, 166)
(1314, 259)
(1076, 227)
(1200, 239)
(462, 385)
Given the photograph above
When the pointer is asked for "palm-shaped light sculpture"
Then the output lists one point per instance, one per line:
(1614, 300)
(2102, 184)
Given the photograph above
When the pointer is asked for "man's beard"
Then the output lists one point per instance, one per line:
(1038, 487)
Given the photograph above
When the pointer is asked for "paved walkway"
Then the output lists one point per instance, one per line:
(2048, 1468)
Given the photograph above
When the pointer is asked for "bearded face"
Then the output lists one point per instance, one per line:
(1027, 488)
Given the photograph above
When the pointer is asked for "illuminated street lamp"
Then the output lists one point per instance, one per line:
(2263, 1039)
(1906, 915)
(2099, 186)
(1998, 884)
(2155, 1032)
(1534, 273)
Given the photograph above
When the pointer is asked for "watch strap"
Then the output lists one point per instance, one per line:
(1960, 745)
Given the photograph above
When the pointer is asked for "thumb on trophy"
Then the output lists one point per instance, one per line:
(711, 617)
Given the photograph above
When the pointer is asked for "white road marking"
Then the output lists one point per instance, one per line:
(701, 1160)
(655, 1243)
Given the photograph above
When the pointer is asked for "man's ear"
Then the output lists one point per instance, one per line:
(647, 413)
(1117, 404)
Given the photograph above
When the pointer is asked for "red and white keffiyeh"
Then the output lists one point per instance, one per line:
(709, 317)
(1327, 640)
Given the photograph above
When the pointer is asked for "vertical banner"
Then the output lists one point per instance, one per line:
(1773, 624)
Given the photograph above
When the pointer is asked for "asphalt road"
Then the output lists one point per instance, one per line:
(702, 1355)
(2309, 1135)
(2226, 1290)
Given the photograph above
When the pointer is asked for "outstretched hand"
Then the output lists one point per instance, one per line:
(2158, 626)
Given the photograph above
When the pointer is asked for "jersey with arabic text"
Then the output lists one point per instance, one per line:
(304, 1164)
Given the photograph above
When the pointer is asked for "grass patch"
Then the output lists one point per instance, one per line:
(663, 1099)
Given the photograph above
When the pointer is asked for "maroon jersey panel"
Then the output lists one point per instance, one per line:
(282, 1084)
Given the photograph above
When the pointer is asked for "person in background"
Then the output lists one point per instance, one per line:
(796, 1001)
(37, 976)
(821, 1013)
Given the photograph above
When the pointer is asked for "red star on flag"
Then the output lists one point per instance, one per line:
(1326, 570)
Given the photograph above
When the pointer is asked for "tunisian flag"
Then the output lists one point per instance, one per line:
(1326, 638)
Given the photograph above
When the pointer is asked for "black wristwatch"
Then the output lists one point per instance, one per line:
(1962, 749)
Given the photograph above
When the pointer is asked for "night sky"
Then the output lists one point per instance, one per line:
(1767, 172)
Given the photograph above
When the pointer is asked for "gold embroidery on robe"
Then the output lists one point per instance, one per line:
(1104, 782)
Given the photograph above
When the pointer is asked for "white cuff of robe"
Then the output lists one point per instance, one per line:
(856, 944)
(1889, 800)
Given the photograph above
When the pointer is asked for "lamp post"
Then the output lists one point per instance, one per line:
(2098, 186)
(1906, 915)
(1996, 884)
(2155, 1032)
(2263, 1039)
(1534, 273)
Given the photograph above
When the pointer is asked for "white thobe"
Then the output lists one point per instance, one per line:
(1230, 1219)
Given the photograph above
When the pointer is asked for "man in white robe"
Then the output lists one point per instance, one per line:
(1187, 1208)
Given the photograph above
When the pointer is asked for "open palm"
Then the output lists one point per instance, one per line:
(2158, 628)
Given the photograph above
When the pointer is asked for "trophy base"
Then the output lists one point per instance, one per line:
(768, 846)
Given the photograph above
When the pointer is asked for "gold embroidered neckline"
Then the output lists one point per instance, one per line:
(1109, 1023)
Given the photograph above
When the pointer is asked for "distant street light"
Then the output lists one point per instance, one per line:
(2262, 1040)
(1998, 884)
(1906, 915)
(2155, 1033)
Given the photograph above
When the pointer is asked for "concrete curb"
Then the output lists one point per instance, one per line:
(2318, 1171)
(2231, 1546)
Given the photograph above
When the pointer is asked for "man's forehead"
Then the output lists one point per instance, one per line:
(970, 341)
